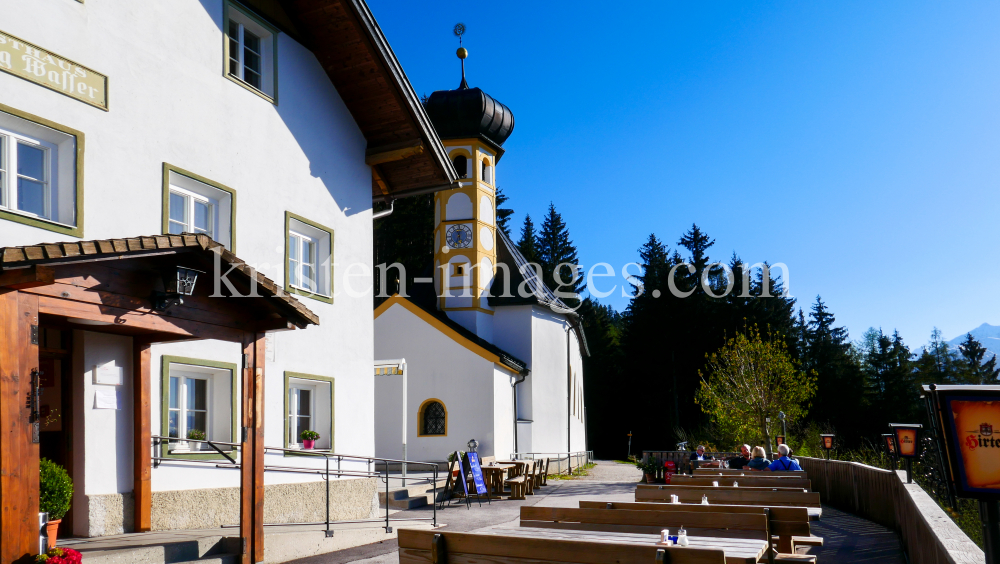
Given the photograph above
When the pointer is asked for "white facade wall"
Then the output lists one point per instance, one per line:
(170, 103)
(475, 392)
(539, 337)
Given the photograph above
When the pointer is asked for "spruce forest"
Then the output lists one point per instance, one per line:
(644, 370)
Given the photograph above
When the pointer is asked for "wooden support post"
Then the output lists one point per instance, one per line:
(18, 453)
(142, 383)
(252, 450)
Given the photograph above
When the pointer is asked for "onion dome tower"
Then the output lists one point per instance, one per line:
(473, 127)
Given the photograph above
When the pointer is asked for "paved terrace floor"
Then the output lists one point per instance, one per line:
(848, 539)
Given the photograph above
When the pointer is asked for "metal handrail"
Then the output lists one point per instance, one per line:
(588, 454)
(325, 472)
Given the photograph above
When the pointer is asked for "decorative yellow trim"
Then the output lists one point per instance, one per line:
(437, 324)
(471, 308)
(420, 418)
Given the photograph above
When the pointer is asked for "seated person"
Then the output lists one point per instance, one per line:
(737, 463)
(700, 454)
(784, 464)
(759, 461)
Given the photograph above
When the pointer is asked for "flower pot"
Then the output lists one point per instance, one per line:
(52, 529)
(308, 444)
(650, 479)
(193, 445)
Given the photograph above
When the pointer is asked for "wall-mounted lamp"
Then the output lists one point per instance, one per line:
(177, 283)
(473, 445)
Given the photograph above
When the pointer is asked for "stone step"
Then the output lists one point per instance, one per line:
(209, 550)
(412, 497)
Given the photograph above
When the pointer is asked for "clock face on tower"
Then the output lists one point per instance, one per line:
(459, 236)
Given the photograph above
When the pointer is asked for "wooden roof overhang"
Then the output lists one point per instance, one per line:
(404, 150)
(108, 285)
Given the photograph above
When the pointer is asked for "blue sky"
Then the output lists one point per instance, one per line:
(856, 142)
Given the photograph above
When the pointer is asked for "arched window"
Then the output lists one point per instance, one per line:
(486, 172)
(461, 163)
(433, 418)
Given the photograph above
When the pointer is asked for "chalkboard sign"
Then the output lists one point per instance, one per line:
(461, 475)
(477, 473)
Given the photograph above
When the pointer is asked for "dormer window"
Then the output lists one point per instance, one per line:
(461, 163)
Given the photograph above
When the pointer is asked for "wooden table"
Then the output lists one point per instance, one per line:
(738, 551)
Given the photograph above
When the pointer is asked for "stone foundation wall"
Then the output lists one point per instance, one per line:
(109, 514)
(112, 514)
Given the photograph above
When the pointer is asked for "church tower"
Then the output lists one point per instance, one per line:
(473, 127)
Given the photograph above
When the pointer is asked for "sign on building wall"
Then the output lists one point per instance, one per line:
(33, 63)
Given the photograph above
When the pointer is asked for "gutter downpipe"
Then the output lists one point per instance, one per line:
(513, 386)
(569, 406)
(384, 213)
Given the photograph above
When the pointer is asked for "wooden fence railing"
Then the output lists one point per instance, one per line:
(929, 536)
(682, 458)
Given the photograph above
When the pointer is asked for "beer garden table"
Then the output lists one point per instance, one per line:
(738, 551)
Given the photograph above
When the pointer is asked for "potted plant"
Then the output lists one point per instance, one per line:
(195, 435)
(60, 556)
(648, 469)
(55, 493)
(309, 439)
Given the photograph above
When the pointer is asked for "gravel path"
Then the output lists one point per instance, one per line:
(611, 471)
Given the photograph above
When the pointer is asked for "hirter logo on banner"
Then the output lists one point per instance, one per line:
(985, 429)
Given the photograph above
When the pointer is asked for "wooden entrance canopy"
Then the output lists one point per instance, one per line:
(110, 283)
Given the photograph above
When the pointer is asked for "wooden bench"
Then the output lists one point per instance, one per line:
(434, 547)
(744, 481)
(746, 525)
(730, 496)
(518, 486)
(790, 525)
(545, 471)
(539, 468)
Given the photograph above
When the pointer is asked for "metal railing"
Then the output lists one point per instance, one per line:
(558, 457)
(228, 450)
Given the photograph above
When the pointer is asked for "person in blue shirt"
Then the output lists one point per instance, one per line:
(784, 464)
(759, 460)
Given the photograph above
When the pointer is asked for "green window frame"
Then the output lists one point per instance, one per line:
(269, 60)
(333, 406)
(165, 223)
(71, 230)
(323, 297)
(165, 362)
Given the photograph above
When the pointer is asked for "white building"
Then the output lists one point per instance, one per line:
(268, 126)
(495, 356)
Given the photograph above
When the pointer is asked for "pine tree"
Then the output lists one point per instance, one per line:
(939, 364)
(405, 237)
(558, 258)
(698, 243)
(503, 214)
(977, 371)
(891, 390)
(528, 244)
(827, 351)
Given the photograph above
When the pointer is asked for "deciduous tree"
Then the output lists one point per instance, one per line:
(750, 379)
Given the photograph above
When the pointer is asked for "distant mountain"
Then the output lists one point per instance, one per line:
(988, 335)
